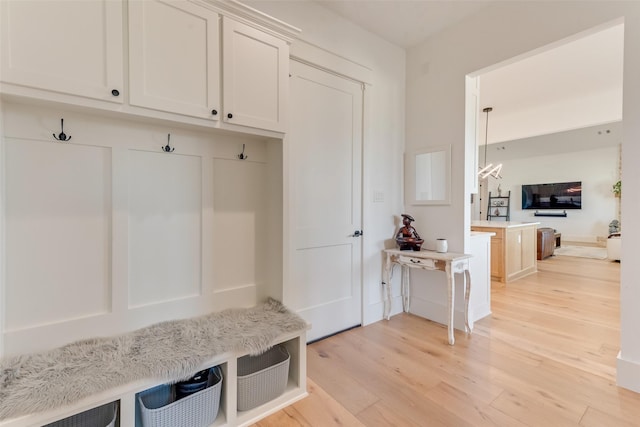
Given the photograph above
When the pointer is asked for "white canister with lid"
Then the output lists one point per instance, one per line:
(441, 245)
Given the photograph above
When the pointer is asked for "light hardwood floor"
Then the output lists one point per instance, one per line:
(545, 357)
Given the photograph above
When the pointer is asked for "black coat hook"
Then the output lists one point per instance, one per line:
(62, 136)
(168, 148)
(243, 156)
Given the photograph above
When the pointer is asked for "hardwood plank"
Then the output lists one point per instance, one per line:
(429, 413)
(532, 412)
(595, 418)
(384, 415)
(318, 409)
(381, 370)
(345, 387)
(546, 356)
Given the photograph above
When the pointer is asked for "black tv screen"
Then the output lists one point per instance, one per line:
(559, 195)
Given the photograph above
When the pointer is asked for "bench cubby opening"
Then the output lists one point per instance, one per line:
(163, 405)
(106, 415)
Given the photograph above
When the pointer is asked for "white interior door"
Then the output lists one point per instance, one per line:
(325, 139)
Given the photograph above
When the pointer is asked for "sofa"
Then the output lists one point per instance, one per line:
(546, 242)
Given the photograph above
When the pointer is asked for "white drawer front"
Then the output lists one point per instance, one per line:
(426, 263)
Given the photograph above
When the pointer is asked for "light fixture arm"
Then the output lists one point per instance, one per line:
(486, 132)
(488, 169)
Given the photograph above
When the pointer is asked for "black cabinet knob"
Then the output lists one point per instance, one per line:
(115, 92)
(230, 116)
(214, 112)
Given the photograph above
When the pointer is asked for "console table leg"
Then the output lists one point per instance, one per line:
(406, 289)
(386, 289)
(467, 291)
(451, 295)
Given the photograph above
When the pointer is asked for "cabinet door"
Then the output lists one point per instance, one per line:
(514, 252)
(255, 77)
(497, 258)
(529, 244)
(174, 57)
(72, 47)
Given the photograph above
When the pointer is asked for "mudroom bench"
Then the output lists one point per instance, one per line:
(84, 379)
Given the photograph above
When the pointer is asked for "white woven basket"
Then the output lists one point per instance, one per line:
(262, 378)
(104, 415)
(199, 409)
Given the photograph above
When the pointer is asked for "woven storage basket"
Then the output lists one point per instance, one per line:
(262, 378)
(200, 409)
(104, 415)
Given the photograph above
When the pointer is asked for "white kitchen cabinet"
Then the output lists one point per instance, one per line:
(176, 68)
(521, 252)
(62, 47)
(513, 248)
(255, 75)
(181, 65)
(174, 57)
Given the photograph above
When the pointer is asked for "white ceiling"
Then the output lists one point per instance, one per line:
(574, 85)
(405, 23)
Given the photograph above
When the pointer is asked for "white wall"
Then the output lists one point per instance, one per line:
(384, 127)
(436, 73)
(595, 168)
(2, 236)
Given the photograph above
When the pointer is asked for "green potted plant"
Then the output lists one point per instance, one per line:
(617, 188)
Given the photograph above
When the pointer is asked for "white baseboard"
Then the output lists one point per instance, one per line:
(373, 313)
(479, 312)
(628, 375)
(582, 239)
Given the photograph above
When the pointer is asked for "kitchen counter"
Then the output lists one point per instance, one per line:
(501, 224)
(513, 248)
(482, 233)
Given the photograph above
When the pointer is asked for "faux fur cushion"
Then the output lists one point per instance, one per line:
(170, 351)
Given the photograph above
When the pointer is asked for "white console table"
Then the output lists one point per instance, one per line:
(448, 262)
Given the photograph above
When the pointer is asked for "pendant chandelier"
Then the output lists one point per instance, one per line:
(488, 169)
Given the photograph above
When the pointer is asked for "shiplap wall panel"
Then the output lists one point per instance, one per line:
(156, 236)
(165, 221)
(240, 224)
(58, 232)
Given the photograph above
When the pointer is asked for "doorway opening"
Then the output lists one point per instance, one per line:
(556, 117)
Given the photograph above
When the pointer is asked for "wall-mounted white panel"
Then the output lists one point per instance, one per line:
(240, 225)
(58, 232)
(324, 163)
(165, 221)
(326, 273)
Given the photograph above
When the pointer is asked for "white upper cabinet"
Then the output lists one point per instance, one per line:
(176, 68)
(182, 66)
(255, 76)
(68, 47)
(174, 52)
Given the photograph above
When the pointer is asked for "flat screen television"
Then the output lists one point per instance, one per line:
(558, 195)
